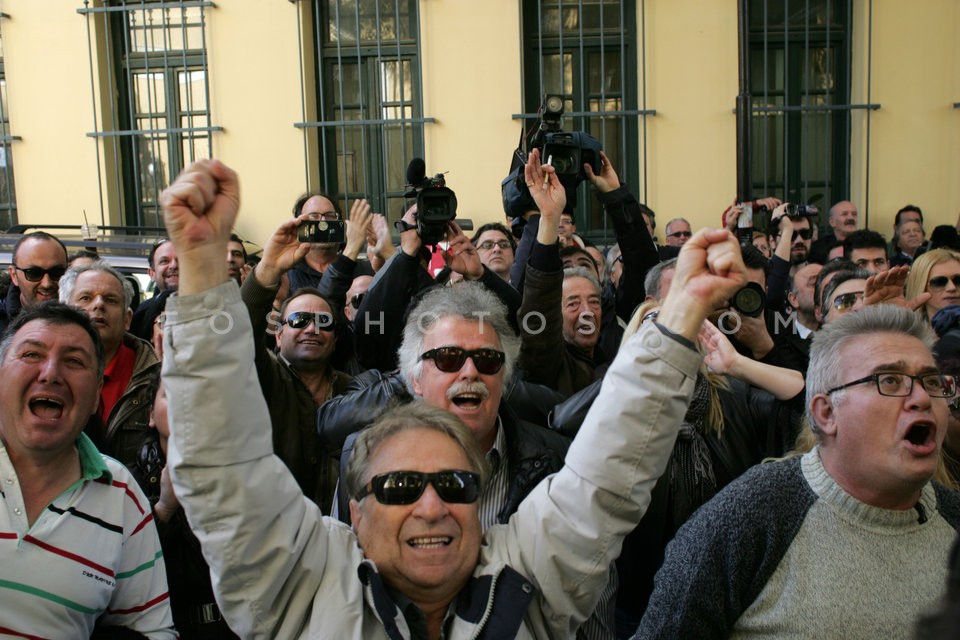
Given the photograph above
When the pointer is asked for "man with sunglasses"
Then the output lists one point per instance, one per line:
(677, 232)
(299, 376)
(39, 260)
(413, 569)
(849, 540)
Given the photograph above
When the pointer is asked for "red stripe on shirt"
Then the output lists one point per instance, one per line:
(19, 634)
(146, 605)
(142, 524)
(67, 554)
(7, 536)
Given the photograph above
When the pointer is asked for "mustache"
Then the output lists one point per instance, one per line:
(476, 387)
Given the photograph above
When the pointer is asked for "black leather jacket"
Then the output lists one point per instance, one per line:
(533, 452)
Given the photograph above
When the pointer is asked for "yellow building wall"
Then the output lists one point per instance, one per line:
(915, 135)
(470, 55)
(692, 83)
(470, 60)
(50, 108)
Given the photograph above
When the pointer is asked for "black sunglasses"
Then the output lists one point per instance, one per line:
(300, 319)
(940, 282)
(356, 300)
(35, 274)
(680, 234)
(406, 487)
(452, 359)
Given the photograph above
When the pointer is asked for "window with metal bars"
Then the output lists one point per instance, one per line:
(587, 51)
(800, 85)
(8, 198)
(160, 121)
(369, 114)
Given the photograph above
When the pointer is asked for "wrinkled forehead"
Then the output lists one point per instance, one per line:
(868, 353)
(42, 333)
(100, 281)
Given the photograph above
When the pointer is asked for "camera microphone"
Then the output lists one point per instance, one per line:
(416, 172)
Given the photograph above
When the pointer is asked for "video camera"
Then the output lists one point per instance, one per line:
(436, 203)
(567, 152)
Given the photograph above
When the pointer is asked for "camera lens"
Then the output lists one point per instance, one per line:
(749, 300)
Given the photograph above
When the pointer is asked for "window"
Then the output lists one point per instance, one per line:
(586, 50)
(369, 103)
(8, 199)
(799, 82)
(161, 119)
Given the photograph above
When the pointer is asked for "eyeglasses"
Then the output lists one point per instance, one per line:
(299, 319)
(35, 274)
(940, 282)
(680, 234)
(486, 245)
(326, 215)
(452, 359)
(806, 234)
(846, 301)
(406, 487)
(356, 300)
(900, 385)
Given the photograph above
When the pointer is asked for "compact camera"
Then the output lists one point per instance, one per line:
(321, 231)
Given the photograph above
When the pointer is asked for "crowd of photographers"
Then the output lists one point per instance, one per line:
(517, 336)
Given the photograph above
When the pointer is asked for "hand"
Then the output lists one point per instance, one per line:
(886, 287)
(731, 215)
(709, 271)
(168, 503)
(245, 271)
(780, 218)
(720, 355)
(357, 227)
(199, 209)
(753, 335)
(282, 251)
(607, 180)
(461, 256)
(545, 188)
(769, 202)
(410, 242)
(379, 245)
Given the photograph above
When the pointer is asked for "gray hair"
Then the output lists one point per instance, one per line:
(414, 415)
(653, 281)
(666, 229)
(823, 372)
(69, 281)
(468, 300)
(583, 272)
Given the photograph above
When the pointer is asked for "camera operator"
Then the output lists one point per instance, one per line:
(380, 318)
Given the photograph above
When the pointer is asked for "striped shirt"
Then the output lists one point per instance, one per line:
(495, 493)
(92, 553)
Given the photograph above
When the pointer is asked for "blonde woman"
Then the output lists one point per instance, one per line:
(936, 272)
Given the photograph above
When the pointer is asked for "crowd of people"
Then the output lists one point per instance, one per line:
(725, 436)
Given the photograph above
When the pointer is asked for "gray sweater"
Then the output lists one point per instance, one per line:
(785, 552)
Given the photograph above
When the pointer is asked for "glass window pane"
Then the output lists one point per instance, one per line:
(192, 85)
(796, 13)
(767, 71)
(396, 82)
(558, 74)
(603, 72)
(149, 93)
(378, 21)
(817, 73)
(345, 81)
(152, 154)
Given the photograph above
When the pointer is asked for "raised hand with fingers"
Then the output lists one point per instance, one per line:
(461, 256)
(608, 180)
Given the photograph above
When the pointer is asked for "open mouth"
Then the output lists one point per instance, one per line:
(433, 542)
(467, 400)
(46, 408)
(919, 434)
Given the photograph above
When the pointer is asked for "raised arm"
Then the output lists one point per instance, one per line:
(623, 447)
(267, 545)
